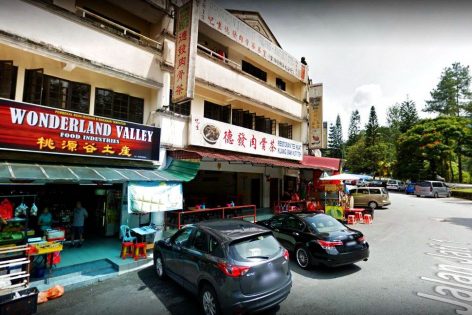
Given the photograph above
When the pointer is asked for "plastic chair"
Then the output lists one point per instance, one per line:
(127, 250)
(140, 251)
(125, 233)
(351, 219)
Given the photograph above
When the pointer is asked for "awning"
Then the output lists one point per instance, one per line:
(321, 163)
(227, 156)
(308, 162)
(179, 171)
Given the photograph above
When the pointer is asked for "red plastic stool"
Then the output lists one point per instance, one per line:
(127, 249)
(140, 251)
(358, 216)
(351, 219)
(367, 219)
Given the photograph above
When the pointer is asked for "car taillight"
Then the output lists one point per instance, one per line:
(328, 244)
(233, 271)
(286, 256)
(431, 189)
(361, 239)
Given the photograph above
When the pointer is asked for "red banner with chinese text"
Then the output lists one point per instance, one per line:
(27, 127)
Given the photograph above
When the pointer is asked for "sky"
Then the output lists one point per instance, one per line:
(370, 52)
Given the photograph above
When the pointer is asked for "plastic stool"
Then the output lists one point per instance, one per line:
(127, 249)
(367, 219)
(140, 251)
(358, 216)
(351, 219)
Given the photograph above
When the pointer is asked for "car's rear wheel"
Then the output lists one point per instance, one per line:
(303, 258)
(209, 301)
(372, 205)
(159, 265)
(436, 195)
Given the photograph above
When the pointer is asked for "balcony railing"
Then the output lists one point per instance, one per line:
(120, 29)
(219, 57)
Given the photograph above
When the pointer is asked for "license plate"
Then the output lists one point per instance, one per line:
(351, 243)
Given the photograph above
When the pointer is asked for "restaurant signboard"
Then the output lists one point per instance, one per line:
(237, 30)
(218, 135)
(27, 127)
(186, 33)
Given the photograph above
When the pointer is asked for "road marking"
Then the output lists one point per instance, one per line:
(457, 290)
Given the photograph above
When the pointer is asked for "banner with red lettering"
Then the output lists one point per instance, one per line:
(27, 127)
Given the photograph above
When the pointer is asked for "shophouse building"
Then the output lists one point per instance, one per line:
(245, 117)
(80, 83)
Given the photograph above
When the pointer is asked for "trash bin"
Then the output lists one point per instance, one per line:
(19, 302)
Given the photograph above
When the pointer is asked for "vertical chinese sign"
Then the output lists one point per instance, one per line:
(315, 100)
(185, 52)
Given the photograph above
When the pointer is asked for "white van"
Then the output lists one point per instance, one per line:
(395, 184)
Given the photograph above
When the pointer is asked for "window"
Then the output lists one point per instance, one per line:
(256, 247)
(118, 105)
(285, 130)
(47, 90)
(277, 222)
(201, 242)
(363, 191)
(437, 185)
(181, 108)
(375, 192)
(8, 74)
(294, 224)
(243, 118)
(217, 112)
(280, 84)
(215, 248)
(181, 238)
(325, 224)
(265, 125)
(254, 71)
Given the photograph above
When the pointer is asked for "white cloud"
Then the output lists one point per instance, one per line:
(367, 95)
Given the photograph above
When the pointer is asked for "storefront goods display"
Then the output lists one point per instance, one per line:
(6, 209)
(20, 302)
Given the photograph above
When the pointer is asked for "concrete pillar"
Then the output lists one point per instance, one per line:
(163, 93)
(20, 84)
(158, 219)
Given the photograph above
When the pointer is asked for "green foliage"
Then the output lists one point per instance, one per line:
(408, 115)
(354, 128)
(371, 128)
(452, 96)
(335, 140)
(429, 148)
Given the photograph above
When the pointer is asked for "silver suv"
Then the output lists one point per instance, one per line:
(432, 188)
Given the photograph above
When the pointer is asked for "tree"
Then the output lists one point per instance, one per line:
(431, 146)
(371, 128)
(408, 115)
(335, 139)
(354, 128)
(452, 96)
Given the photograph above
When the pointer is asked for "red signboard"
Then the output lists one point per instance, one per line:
(27, 127)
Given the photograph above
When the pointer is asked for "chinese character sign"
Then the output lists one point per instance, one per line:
(185, 50)
(26, 127)
(237, 30)
(218, 135)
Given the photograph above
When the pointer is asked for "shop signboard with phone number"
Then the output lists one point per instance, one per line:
(218, 135)
(28, 127)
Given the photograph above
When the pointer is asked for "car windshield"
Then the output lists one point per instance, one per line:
(324, 223)
(424, 184)
(258, 247)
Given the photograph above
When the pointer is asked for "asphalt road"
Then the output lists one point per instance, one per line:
(413, 269)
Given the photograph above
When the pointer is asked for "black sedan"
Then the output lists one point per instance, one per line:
(318, 239)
